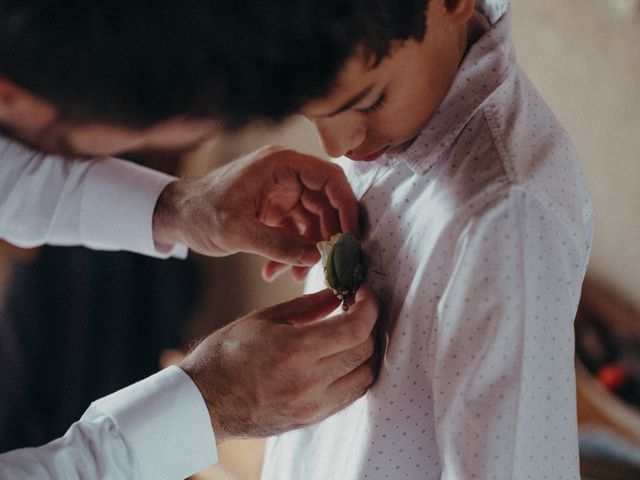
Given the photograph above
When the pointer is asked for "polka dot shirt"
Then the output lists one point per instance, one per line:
(479, 236)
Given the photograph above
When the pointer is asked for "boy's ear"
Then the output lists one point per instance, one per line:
(20, 109)
(461, 10)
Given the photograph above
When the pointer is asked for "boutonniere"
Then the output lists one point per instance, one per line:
(345, 266)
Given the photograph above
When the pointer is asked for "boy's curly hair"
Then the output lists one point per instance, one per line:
(135, 63)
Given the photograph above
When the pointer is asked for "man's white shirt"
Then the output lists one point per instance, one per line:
(104, 203)
(158, 428)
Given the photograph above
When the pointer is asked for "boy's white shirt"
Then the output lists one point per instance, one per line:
(479, 236)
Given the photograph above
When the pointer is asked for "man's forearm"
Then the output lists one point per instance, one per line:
(103, 204)
(158, 429)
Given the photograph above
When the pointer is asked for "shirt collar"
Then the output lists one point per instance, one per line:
(486, 66)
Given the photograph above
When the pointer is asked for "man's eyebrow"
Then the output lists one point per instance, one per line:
(351, 102)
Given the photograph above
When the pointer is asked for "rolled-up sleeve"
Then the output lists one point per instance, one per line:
(104, 203)
(157, 429)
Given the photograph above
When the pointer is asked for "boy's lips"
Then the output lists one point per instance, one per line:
(369, 157)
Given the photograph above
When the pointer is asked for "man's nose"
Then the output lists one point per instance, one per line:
(338, 138)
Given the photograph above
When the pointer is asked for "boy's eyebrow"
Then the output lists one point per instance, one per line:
(351, 102)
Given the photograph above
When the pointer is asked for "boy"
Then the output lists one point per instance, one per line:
(479, 232)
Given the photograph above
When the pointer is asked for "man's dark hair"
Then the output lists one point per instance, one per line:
(137, 62)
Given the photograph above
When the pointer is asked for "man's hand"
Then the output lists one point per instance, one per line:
(276, 203)
(284, 367)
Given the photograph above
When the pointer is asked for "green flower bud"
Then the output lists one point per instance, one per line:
(345, 265)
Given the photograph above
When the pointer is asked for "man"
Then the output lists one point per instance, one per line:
(80, 81)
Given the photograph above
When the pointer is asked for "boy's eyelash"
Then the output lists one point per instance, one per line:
(376, 106)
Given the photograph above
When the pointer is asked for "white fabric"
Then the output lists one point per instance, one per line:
(104, 204)
(479, 237)
(157, 429)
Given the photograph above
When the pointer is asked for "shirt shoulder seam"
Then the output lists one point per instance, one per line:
(496, 137)
(515, 182)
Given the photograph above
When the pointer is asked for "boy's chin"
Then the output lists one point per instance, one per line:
(367, 157)
(402, 146)
(372, 156)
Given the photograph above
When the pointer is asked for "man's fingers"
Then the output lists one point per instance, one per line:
(299, 273)
(343, 200)
(318, 204)
(331, 180)
(340, 364)
(272, 270)
(279, 244)
(352, 386)
(346, 330)
(303, 309)
(304, 222)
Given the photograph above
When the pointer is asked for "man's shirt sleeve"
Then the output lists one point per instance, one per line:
(157, 429)
(104, 204)
(503, 368)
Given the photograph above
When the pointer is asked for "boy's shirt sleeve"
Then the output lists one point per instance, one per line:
(503, 369)
(104, 204)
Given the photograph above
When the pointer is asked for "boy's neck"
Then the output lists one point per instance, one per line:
(475, 29)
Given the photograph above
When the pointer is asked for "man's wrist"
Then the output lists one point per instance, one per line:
(165, 216)
(214, 413)
(164, 422)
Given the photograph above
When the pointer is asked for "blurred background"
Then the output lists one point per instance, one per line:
(103, 320)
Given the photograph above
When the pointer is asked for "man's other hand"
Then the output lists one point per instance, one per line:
(286, 366)
(276, 203)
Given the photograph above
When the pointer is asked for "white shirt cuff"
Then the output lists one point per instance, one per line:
(118, 201)
(165, 422)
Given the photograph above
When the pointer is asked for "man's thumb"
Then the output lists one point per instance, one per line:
(304, 309)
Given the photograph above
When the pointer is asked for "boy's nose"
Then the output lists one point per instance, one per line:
(339, 138)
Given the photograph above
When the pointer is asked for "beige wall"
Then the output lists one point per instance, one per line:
(583, 56)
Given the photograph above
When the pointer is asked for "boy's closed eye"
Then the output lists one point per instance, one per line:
(377, 105)
(377, 108)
